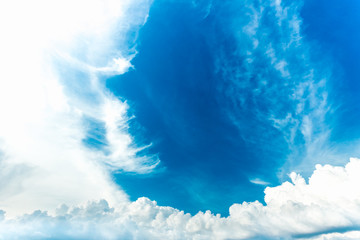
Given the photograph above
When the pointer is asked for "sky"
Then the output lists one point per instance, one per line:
(168, 119)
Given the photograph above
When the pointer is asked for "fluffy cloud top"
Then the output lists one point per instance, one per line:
(325, 207)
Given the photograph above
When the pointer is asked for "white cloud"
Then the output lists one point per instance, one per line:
(54, 55)
(259, 181)
(327, 206)
(351, 235)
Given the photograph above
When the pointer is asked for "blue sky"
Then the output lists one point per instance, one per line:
(183, 103)
(331, 28)
(167, 119)
(173, 91)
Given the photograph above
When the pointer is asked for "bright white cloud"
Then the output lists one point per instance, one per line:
(327, 206)
(351, 235)
(54, 55)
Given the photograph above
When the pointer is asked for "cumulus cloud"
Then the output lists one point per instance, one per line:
(54, 58)
(326, 206)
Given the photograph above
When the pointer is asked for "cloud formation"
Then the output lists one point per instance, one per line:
(324, 207)
(55, 57)
(274, 76)
(53, 98)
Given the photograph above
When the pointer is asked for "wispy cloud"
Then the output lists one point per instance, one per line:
(54, 59)
(281, 97)
(259, 181)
